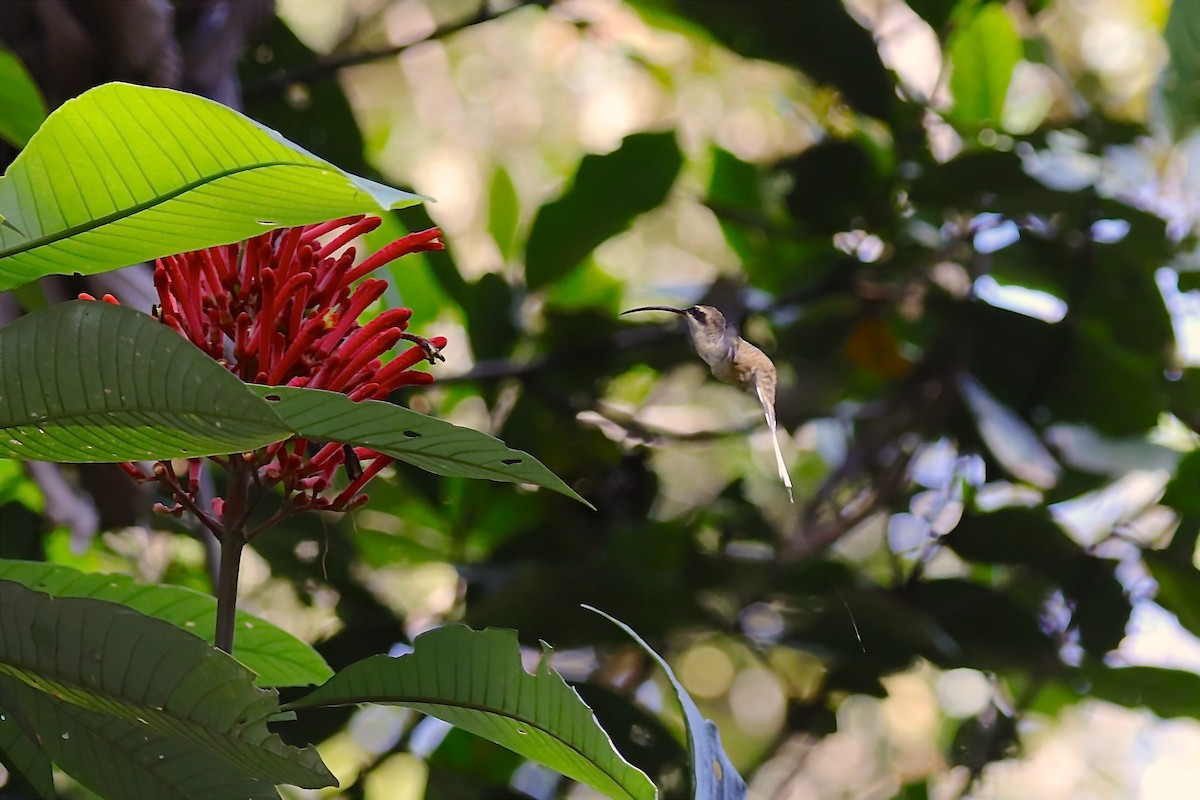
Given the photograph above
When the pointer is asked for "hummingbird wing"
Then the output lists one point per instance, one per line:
(765, 389)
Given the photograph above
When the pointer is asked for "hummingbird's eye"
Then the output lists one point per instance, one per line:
(696, 313)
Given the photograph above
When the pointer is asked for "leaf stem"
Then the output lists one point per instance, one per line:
(232, 542)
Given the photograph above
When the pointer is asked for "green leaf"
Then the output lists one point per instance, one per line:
(432, 444)
(20, 100)
(1166, 692)
(22, 756)
(1179, 85)
(134, 707)
(1183, 490)
(713, 774)
(983, 53)
(1178, 588)
(122, 174)
(821, 38)
(836, 186)
(94, 382)
(1030, 537)
(278, 658)
(474, 680)
(504, 211)
(608, 192)
(936, 12)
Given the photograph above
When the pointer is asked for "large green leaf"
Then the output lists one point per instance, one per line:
(474, 680)
(277, 657)
(20, 101)
(135, 707)
(125, 173)
(94, 382)
(983, 53)
(22, 756)
(608, 192)
(431, 444)
(713, 774)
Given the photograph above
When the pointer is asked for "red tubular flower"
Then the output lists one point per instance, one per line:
(280, 309)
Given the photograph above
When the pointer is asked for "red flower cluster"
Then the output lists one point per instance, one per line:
(281, 309)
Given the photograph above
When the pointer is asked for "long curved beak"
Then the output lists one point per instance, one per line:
(653, 308)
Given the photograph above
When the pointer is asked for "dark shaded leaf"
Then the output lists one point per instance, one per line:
(1178, 588)
(981, 628)
(1166, 692)
(641, 737)
(1180, 81)
(466, 755)
(94, 680)
(120, 387)
(23, 757)
(606, 195)
(277, 657)
(1183, 490)
(1029, 537)
(820, 38)
(314, 114)
(431, 444)
(836, 186)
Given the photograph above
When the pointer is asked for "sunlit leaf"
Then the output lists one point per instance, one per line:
(431, 444)
(123, 173)
(132, 706)
(277, 657)
(94, 382)
(22, 104)
(983, 53)
(504, 211)
(475, 681)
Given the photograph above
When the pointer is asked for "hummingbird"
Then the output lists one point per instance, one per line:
(735, 361)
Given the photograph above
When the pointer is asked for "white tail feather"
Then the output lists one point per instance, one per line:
(769, 411)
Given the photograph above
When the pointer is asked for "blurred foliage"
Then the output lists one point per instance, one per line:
(995, 212)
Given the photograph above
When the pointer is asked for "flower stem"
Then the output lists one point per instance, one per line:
(233, 539)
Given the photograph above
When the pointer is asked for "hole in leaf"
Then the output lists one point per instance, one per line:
(521, 731)
(510, 461)
(272, 398)
(412, 434)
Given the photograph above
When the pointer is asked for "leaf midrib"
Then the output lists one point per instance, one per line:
(128, 211)
(71, 415)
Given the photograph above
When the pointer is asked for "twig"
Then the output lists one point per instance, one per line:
(329, 65)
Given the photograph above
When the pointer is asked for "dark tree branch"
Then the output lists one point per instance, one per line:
(330, 65)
